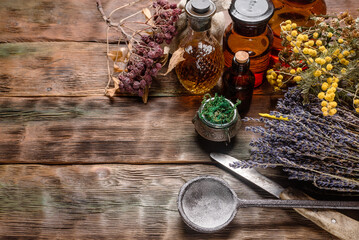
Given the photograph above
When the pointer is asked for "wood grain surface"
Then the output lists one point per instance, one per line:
(99, 130)
(79, 21)
(68, 69)
(75, 164)
(126, 202)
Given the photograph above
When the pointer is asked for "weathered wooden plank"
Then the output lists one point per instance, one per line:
(63, 69)
(126, 202)
(67, 20)
(67, 69)
(99, 130)
(61, 20)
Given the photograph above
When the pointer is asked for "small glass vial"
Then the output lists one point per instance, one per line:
(250, 32)
(238, 82)
(297, 11)
(203, 64)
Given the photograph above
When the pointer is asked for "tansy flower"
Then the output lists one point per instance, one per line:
(318, 42)
(292, 71)
(297, 78)
(332, 111)
(346, 53)
(321, 95)
(330, 34)
(324, 109)
(356, 102)
(328, 59)
(280, 76)
(333, 104)
(294, 25)
(289, 38)
(357, 110)
(310, 43)
(288, 22)
(322, 48)
(324, 103)
(335, 85)
(294, 33)
(306, 50)
(329, 80)
(329, 67)
(288, 27)
(317, 73)
(315, 35)
(299, 70)
(325, 86)
(343, 70)
(296, 50)
(340, 40)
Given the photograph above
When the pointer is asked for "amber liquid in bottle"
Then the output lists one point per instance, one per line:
(203, 64)
(256, 41)
(297, 11)
(238, 82)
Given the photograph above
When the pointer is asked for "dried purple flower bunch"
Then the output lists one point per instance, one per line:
(143, 57)
(308, 145)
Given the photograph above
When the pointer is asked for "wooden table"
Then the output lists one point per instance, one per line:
(78, 165)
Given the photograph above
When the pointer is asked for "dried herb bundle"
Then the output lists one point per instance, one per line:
(309, 146)
(322, 60)
(137, 64)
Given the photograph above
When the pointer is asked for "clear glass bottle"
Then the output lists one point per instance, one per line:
(250, 32)
(297, 11)
(203, 64)
(238, 82)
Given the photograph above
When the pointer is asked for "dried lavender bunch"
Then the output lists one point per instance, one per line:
(309, 146)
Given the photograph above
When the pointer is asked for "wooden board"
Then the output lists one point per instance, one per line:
(99, 130)
(68, 69)
(126, 202)
(67, 20)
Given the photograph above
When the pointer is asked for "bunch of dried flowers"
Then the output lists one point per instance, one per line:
(322, 60)
(309, 146)
(135, 65)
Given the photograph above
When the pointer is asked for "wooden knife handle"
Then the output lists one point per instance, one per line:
(332, 221)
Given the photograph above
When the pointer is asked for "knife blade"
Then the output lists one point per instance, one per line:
(332, 221)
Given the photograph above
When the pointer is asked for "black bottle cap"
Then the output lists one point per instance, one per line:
(200, 6)
(251, 12)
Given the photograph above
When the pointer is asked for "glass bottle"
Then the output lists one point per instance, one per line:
(297, 11)
(238, 82)
(250, 32)
(203, 64)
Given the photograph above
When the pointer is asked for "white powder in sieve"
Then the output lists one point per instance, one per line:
(208, 203)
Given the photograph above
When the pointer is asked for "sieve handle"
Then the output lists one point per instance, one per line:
(333, 222)
(291, 203)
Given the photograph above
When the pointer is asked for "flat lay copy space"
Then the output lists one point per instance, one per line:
(93, 147)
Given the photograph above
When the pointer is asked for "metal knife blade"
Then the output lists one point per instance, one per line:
(249, 173)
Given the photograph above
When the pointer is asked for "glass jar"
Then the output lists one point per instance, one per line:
(238, 82)
(249, 31)
(297, 11)
(216, 132)
(203, 64)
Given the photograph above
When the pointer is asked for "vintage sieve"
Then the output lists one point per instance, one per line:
(207, 204)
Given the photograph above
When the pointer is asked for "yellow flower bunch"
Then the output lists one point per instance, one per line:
(322, 60)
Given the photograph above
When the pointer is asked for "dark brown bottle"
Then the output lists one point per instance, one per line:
(238, 82)
(249, 32)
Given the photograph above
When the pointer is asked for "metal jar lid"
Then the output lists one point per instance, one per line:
(200, 13)
(251, 12)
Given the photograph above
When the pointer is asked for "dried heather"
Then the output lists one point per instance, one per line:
(310, 146)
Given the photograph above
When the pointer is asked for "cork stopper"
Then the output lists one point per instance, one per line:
(241, 56)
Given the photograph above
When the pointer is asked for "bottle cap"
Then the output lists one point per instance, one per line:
(251, 12)
(200, 6)
(199, 13)
(241, 57)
